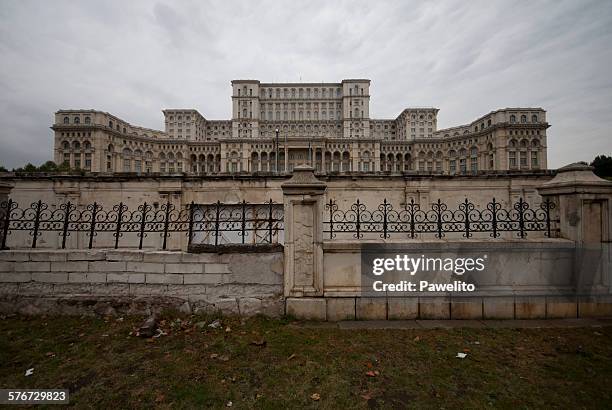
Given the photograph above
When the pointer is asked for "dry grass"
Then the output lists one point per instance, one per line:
(191, 367)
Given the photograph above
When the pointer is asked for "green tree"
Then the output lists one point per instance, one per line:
(30, 168)
(48, 166)
(2, 169)
(63, 167)
(603, 166)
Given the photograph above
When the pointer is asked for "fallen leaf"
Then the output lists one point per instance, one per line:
(214, 356)
(315, 396)
(224, 358)
(229, 404)
(29, 372)
(228, 329)
(371, 373)
(291, 357)
(461, 355)
(416, 339)
(260, 342)
(369, 365)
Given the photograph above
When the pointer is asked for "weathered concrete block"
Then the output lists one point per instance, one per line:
(498, 308)
(164, 278)
(184, 268)
(125, 277)
(124, 256)
(228, 306)
(111, 289)
(7, 266)
(46, 256)
(402, 308)
(85, 255)
(466, 308)
(33, 267)
(10, 289)
(72, 289)
(72, 266)
(435, 307)
(217, 268)
(107, 266)
(15, 256)
(50, 277)
(15, 276)
(530, 307)
(162, 257)
(200, 257)
(145, 267)
(36, 288)
(183, 291)
(340, 309)
(249, 306)
(89, 277)
(372, 308)
(595, 306)
(306, 308)
(561, 307)
(196, 278)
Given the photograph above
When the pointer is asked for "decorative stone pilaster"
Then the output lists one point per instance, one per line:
(303, 197)
(585, 212)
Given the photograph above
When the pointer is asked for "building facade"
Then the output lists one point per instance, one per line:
(277, 126)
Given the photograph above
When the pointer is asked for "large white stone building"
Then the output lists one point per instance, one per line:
(276, 126)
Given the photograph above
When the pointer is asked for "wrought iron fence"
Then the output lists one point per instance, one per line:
(440, 220)
(257, 223)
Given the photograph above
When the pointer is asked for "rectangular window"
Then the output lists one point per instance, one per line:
(137, 166)
(127, 165)
(474, 164)
(88, 161)
(523, 159)
(534, 159)
(463, 165)
(512, 159)
(453, 166)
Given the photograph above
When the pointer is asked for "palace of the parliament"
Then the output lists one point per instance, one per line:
(276, 126)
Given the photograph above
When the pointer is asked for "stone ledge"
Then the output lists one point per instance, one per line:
(306, 308)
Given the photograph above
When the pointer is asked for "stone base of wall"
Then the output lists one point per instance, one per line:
(441, 307)
(139, 282)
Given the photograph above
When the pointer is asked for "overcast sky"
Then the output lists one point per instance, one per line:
(466, 58)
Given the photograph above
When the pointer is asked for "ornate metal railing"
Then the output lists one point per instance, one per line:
(439, 220)
(211, 223)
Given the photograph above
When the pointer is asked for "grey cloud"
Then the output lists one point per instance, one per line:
(467, 58)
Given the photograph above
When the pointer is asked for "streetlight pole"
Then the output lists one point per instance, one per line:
(276, 169)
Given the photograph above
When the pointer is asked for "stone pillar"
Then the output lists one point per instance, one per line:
(303, 198)
(584, 205)
(5, 190)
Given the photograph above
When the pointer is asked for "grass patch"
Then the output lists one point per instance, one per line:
(196, 366)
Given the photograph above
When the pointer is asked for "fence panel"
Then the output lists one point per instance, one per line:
(121, 227)
(439, 221)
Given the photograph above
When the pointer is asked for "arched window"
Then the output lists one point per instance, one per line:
(66, 120)
(534, 118)
(66, 145)
(513, 118)
(110, 124)
(523, 118)
(87, 120)
(77, 120)
(87, 145)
